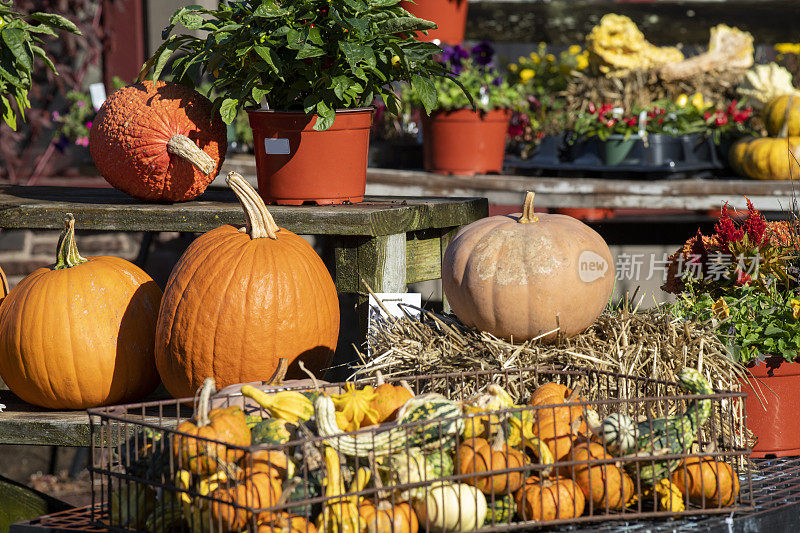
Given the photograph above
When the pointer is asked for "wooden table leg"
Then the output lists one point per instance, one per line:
(447, 236)
(382, 264)
(18, 502)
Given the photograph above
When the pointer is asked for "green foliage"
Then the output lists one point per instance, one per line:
(753, 323)
(19, 48)
(314, 56)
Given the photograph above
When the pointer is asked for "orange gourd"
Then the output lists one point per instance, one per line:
(477, 456)
(603, 484)
(158, 141)
(549, 499)
(384, 517)
(237, 302)
(389, 399)
(556, 394)
(257, 490)
(273, 462)
(80, 333)
(284, 523)
(526, 276)
(225, 426)
(708, 482)
(556, 432)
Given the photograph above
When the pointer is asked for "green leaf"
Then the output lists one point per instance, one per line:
(426, 91)
(56, 21)
(228, 110)
(270, 9)
(41, 54)
(356, 5)
(270, 57)
(309, 50)
(325, 117)
(358, 24)
(42, 29)
(15, 40)
(353, 52)
(405, 25)
(258, 93)
(383, 3)
(9, 116)
(772, 331)
(340, 85)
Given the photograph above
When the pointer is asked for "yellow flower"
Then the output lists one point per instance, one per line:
(788, 48)
(526, 74)
(534, 56)
(682, 100)
(395, 60)
(721, 310)
(513, 67)
(795, 308)
(697, 101)
(583, 62)
(521, 59)
(574, 49)
(550, 57)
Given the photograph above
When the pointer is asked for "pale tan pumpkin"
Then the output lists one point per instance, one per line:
(523, 276)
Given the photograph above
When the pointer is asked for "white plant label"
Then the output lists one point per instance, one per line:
(97, 91)
(277, 146)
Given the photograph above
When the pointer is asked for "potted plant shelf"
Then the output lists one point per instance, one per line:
(459, 138)
(755, 306)
(306, 72)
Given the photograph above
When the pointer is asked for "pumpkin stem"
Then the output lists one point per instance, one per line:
(379, 377)
(407, 386)
(68, 255)
(499, 443)
(204, 402)
(280, 372)
(527, 210)
(185, 148)
(310, 374)
(260, 223)
(784, 133)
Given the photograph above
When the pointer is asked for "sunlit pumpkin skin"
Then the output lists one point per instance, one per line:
(768, 158)
(158, 141)
(738, 153)
(524, 276)
(235, 304)
(707, 482)
(776, 112)
(257, 490)
(477, 456)
(284, 523)
(389, 399)
(549, 499)
(556, 432)
(603, 484)
(3, 285)
(384, 517)
(80, 333)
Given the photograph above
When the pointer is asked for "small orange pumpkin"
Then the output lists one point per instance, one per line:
(604, 484)
(707, 482)
(158, 141)
(384, 517)
(284, 523)
(237, 302)
(389, 399)
(227, 426)
(556, 432)
(257, 490)
(477, 456)
(272, 462)
(80, 333)
(549, 499)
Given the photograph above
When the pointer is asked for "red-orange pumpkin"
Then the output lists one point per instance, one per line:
(158, 141)
(237, 302)
(80, 333)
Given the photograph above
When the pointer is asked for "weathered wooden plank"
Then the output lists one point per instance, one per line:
(424, 256)
(18, 502)
(108, 209)
(21, 423)
(382, 264)
(664, 22)
(346, 264)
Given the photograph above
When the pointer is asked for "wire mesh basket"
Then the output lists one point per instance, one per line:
(453, 460)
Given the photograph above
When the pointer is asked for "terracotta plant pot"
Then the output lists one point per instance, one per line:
(465, 142)
(296, 164)
(775, 423)
(449, 15)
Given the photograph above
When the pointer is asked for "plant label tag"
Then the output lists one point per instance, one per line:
(395, 303)
(277, 146)
(97, 91)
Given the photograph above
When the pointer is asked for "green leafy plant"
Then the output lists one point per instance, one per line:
(314, 56)
(477, 82)
(19, 48)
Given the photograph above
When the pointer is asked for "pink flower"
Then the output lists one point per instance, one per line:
(592, 108)
(89, 125)
(55, 115)
(610, 123)
(81, 103)
(82, 141)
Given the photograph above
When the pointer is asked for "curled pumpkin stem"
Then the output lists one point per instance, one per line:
(527, 210)
(68, 255)
(260, 223)
(185, 148)
(204, 402)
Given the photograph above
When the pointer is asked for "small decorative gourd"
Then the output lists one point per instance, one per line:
(389, 399)
(501, 510)
(80, 333)
(230, 505)
(354, 408)
(158, 141)
(604, 484)
(283, 523)
(549, 498)
(707, 482)
(450, 506)
(384, 517)
(525, 276)
(783, 110)
(237, 302)
(272, 431)
(227, 425)
(477, 456)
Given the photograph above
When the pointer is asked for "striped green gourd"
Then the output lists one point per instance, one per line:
(501, 510)
(670, 435)
(437, 434)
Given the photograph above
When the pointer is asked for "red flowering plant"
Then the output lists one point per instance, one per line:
(742, 279)
(603, 121)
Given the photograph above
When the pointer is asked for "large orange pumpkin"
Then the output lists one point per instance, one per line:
(237, 302)
(80, 333)
(523, 276)
(158, 141)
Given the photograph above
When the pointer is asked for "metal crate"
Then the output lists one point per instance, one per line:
(134, 467)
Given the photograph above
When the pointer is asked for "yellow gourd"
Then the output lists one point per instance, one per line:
(354, 408)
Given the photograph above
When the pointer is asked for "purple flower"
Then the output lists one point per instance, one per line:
(81, 103)
(61, 143)
(55, 115)
(454, 55)
(89, 125)
(483, 53)
(498, 81)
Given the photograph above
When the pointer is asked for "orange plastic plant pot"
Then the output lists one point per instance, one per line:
(449, 15)
(775, 422)
(296, 164)
(465, 142)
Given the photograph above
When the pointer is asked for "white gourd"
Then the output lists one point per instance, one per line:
(762, 83)
(619, 433)
(451, 507)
